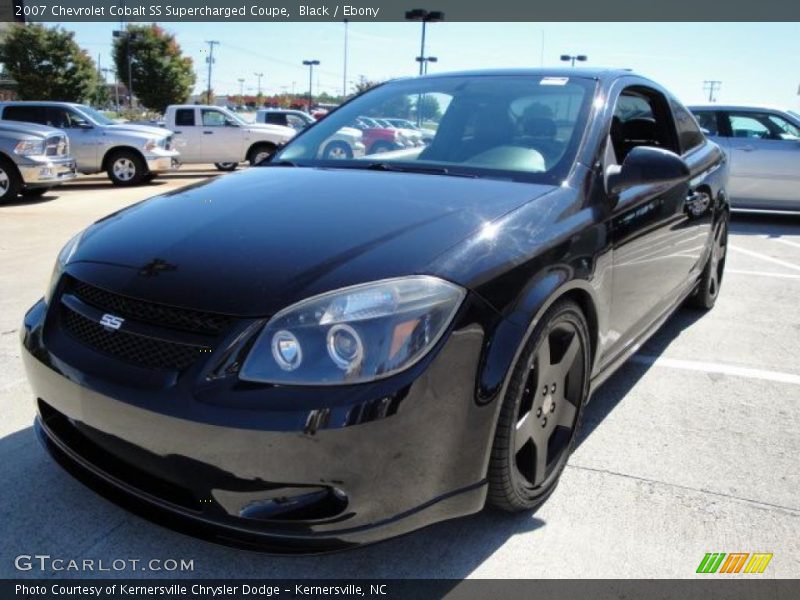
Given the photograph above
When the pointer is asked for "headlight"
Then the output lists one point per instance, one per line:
(29, 148)
(63, 258)
(355, 334)
(151, 144)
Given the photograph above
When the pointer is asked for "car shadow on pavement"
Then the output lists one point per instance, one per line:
(606, 398)
(30, 200)
(45, 511)
(765, 224)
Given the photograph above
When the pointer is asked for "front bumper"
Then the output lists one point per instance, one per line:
(368, 463)
(46, 172)
(161, 161)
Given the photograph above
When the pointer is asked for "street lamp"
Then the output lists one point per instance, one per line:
(419, 14)
(425, 61)
(129, 37)
(310, 64)
(572, 58)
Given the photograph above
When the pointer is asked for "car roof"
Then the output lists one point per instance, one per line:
(40, 102)
(742, 107)
(578, 72)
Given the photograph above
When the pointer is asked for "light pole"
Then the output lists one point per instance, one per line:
(210, 61)
(310, 64)
(425, 61)
(129, 36)
(344, 74)
(241, 90)
(571, 58)
(259, 75)
(419, 14)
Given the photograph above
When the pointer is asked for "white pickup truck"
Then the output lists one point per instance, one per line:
(212, 134)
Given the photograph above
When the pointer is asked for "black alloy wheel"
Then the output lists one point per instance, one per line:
(541, 411)
(710, 282)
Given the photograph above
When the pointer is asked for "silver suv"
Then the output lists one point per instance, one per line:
(129, 154)
(33, 159)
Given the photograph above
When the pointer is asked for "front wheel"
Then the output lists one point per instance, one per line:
(260, 153)
(226, 166)
(707, 291)
(541, 411)
(10, 182)
(126, 168)
(337, 151)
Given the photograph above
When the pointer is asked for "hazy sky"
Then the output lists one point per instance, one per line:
(756, 62)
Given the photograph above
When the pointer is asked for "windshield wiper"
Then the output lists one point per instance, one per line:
(384, 166)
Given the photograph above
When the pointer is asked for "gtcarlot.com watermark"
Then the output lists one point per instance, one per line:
(47, 563)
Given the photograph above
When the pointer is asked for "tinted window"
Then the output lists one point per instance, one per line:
(184, 117)
(689, 134)
(275, 118)
(31, 114)
(707, 119)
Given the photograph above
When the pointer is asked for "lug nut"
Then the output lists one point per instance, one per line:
(544, 422)
(553, 407)
(553, 389)
(544, 391)
(539, 412)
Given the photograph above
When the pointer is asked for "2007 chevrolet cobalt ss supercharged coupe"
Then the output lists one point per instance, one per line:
(319, 353)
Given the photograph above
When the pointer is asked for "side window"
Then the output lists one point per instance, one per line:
(642, 117)
(75, 120)
(295, 122)
(275, 118)
(707, 119)
(31, 114)
(184, 117)
(762, 126)
(212, 118)
(689, 134)
(58, 117)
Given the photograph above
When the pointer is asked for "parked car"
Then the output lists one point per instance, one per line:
(345, 143)
(129, 154)
(343, 352)
(413, 136)
(378, 139)
(213, 134)
(33, 160)
(763, 145)
(427, 134)
(401, 140)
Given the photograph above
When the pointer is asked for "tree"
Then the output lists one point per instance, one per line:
(160, 74)
(205, 97)
(48, 64)
(363, 84)
(429, 108)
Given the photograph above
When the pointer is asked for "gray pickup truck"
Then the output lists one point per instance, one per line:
(129, 154)
(33, 159)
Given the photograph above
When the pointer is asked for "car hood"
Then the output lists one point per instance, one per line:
(29, 129)
(143, 130)
(269, 128)
(252, 243)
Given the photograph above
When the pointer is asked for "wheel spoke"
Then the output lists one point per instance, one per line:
(566, 413)
(523, 431)
(540, 460)
(570, 354)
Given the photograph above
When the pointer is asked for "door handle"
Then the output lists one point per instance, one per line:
(746, 148)
(177, 132)
(208, 133)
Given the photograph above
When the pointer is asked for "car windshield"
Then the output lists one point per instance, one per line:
(522, 126)
(96, 115)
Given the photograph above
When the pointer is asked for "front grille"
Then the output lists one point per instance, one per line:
(150, 312)
(56, 145)
(137, 349)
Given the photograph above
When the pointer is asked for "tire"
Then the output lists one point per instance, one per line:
(260, 152)
(379, 147)
(337, 151)
(226, 166)
(10, 181)
(542, 408)
(126, 168)
(37, 192)
(707, 291)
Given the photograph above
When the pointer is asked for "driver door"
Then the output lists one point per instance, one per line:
(221, 137)
(85, 140)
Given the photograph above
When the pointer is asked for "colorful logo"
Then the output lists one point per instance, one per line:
(736, 562)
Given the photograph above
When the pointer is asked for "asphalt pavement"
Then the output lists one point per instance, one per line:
(692, 447)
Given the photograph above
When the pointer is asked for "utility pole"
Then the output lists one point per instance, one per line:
(711, 86)
(259, 75)
(210, 61)
(241, 91)
(310, 64)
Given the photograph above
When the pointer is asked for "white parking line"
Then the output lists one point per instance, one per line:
(708, 367)
(776, 261)
(762, 274)
(787, 242)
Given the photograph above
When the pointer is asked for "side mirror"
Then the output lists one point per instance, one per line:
(84, 125)
(645, 165)
(231, 123)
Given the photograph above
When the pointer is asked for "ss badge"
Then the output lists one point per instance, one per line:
(111, 322)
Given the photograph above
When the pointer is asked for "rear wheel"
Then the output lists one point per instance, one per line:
(126, 167)
(541, 411)
(337, 151)
(708, 289)
(226, 166)
(380, 147)
(10, 181)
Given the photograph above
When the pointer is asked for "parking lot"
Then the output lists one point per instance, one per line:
(692, 447)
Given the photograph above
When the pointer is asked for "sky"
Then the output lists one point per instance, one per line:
(757, 63)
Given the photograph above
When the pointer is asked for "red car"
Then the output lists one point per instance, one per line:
(377, 139)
